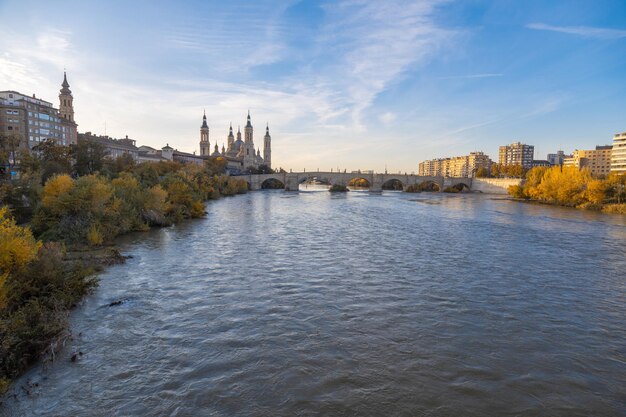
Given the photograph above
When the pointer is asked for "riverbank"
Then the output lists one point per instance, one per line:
(48, 265)
(570, 187)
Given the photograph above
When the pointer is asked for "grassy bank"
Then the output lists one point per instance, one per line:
(53, 233)
(571, 187)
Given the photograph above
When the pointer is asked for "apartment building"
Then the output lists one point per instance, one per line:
(618, 153)
(597, 160)
(517, 153)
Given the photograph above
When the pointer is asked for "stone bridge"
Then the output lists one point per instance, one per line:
(292, 180)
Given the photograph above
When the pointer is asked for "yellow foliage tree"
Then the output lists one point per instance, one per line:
(54, 193)
(17, 248)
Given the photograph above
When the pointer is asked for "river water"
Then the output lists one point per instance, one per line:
(280, 304)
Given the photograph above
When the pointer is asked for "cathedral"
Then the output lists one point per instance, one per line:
(240, 154)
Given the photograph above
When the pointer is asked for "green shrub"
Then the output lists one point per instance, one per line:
(338, 188)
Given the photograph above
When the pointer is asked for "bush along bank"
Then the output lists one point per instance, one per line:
(46, 260)
(568, 186)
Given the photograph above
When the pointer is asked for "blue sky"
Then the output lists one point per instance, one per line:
(349, 84)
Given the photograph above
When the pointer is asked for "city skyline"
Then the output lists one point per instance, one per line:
(358, 85)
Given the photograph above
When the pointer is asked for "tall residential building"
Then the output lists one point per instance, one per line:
(35, 120)
(597, 160)
(618, 155)
(458, 166)
(517, 153)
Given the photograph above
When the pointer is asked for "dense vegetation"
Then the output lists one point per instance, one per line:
(571, 187)
(359, 182)
(422, 186)
(501, 171)
(338, 188)
(71, 199)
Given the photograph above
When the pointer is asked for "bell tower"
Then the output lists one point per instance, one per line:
(249, 155)
(205, 148)
(267, 147)
(66, 101)
(66, 113)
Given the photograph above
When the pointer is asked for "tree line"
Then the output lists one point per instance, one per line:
(569, 186)
(71, 199)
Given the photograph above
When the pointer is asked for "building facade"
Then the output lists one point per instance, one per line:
(597, 161)
(557, 158)
(35, 120)
(240, 154)
(618, 153)
(517, 153)
(458, 166)
(114, 147)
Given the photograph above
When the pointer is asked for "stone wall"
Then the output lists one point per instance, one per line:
(494, 185)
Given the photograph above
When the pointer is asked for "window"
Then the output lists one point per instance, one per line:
(9, 127)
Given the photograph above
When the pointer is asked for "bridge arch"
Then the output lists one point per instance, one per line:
(459, 187)
(393, 184)
(272, 183)
(429, 186)
(359, 183)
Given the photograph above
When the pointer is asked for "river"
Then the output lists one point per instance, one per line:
(284, 304)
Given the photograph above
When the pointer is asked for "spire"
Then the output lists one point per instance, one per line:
(248, 124)
(204, 125)
(65, 85)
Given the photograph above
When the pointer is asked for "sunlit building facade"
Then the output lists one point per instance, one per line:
(597, 161)
(458, 166)
(618, 153)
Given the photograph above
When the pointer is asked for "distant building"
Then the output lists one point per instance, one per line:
(35, 120)
(557, 158)
(114, 147)
(541, 163)
(148, 154)
(240, 154)
(517, 153)
(618, 154)
(458, 166)
(597, 160)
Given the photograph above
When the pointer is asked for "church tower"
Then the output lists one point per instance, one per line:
(267, 147)
(231, 138)
(66, 105)
(249, 154)
(66, 111)
(205, 147)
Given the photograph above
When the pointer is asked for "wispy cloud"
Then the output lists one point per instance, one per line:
(470, 76)
(373, 44)
(584, 31)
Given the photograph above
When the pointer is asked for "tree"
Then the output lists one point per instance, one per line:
(55, 159)
(215, 166)
(17, 248)
(9, 153)
(88, 156)
(482, 172)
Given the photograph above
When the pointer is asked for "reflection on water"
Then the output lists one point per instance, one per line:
(355, 304)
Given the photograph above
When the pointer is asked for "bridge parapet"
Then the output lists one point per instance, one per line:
(292, 180)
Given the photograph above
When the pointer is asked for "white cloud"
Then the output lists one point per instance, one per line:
(387, 118)
(360, 50)
(584, 31)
